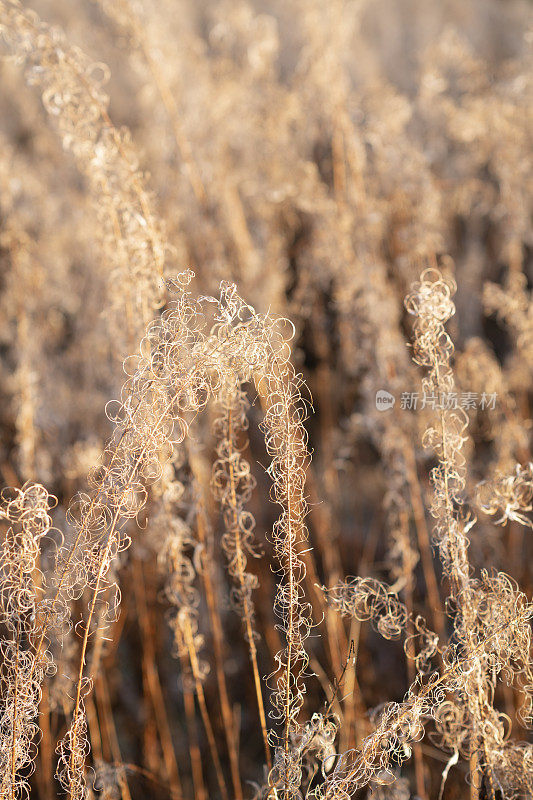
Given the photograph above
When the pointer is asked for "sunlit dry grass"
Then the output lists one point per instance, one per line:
(266, 351)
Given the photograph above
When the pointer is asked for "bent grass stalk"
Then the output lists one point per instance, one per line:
(349, 783)
(247, 609)
(232, 491)
(287, 450)
(101, 572)
(231, 733)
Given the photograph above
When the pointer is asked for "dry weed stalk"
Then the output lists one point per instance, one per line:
(233, 484)
(26, 512)
(483, 734)
(72, 88)
(178, 368)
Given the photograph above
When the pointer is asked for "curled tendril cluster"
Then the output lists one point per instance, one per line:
(73, 94)
(232, 483)
(72, 750)
(399, 726)
(497, 604)
(439, 697)
(286, 442)
(371, 600)
(318, 738)
(452, 726)
(167, 379)
(178, 369)
(178, 558)
(512, 768)
(259, 352)
(492, 627)
(313, 745)
(173, 375)
(26, 512)
(509, 496)
(430, 301)
(368, 599)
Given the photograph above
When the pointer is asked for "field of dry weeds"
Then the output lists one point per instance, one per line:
(266, 376)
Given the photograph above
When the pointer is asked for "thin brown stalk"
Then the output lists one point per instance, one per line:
(153, 682)
(411, 671)
(46, 770)
(189, 642)
(112, 736)
(194, 749)
(247, 612)
(218, 635)
(94, 729)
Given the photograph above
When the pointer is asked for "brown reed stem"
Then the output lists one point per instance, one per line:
(153, 682)
(46, 772)
(411, 672)
(113, 738)
(218, 636)
(247, 612)
(189, 641)
(194, 749)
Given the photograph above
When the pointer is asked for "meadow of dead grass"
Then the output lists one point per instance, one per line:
(266, 360)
